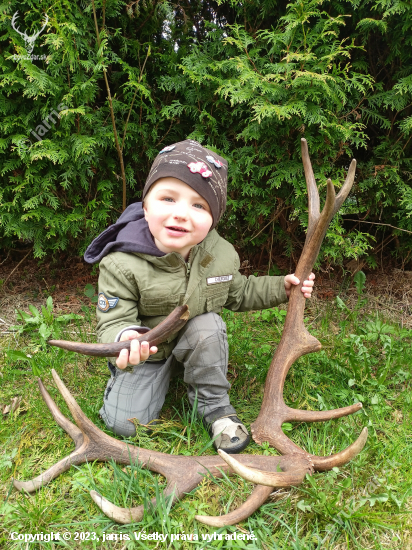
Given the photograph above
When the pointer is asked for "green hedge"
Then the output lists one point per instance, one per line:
(248, 80)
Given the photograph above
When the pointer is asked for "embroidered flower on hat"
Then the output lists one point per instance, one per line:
(167, 149)
(201, 168)
(214, 161)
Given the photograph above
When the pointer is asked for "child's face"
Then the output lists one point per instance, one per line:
(178, 217)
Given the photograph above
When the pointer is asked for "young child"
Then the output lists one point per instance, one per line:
(164, 254)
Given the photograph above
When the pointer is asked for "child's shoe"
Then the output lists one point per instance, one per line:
(231, 435)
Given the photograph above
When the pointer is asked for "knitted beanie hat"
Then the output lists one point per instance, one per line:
(198, 167)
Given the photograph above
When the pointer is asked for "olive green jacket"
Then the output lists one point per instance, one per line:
(148, 288)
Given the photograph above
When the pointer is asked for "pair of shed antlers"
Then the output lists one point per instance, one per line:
(184, 473)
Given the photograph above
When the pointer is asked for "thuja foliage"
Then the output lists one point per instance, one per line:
(248, 80)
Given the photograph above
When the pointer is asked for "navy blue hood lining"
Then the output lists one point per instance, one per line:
(129, 234)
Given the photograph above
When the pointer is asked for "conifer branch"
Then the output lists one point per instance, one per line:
(134, 97)
(109, 96)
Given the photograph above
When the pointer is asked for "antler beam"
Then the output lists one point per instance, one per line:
(296, 340)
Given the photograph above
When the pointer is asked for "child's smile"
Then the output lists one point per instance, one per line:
(178, 217)
(175, 230)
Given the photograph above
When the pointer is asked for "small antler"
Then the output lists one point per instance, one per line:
(183, 473)
(296, 340)
(164, 330)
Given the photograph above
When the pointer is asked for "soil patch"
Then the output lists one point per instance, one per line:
(65, 280)
(34, 281)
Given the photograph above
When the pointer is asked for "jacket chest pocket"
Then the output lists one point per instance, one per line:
(159, 303)
(216, 297)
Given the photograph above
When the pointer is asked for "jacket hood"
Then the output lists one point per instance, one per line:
(129, 234)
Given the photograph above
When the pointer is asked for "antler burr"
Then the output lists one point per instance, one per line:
(296, 340)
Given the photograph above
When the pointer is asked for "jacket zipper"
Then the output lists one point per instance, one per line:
(188, 265)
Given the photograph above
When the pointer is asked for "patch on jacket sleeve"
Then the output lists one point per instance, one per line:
(104, 303)
(221, 279)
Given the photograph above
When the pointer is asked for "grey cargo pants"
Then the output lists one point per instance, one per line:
(202, 349)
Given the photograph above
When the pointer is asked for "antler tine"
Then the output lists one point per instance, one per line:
(346, 187)
(295, 470)
(71, 429)
(259, 495)
(258, 477)
(313, 244)
(117, 513)
(97, 443)
(284, 445)
(169, 326)
(326, 463)
(65, 463)
(74, 458)
(297, 415)
(327, 211)
(313, 193)
(132, 515)
(79, 416)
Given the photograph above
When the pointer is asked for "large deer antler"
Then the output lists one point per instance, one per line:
(296, 340)
(183, 473)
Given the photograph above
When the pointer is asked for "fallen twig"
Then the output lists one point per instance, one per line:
(17, 266)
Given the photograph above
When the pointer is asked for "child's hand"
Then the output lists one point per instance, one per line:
(138, 352)
(307, 286)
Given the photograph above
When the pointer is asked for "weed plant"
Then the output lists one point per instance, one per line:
(364, 504)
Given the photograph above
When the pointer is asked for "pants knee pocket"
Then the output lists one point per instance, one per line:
(125, 429)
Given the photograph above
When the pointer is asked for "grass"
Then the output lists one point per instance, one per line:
(365, 504)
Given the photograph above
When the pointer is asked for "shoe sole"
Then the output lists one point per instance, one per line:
(236, 448)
